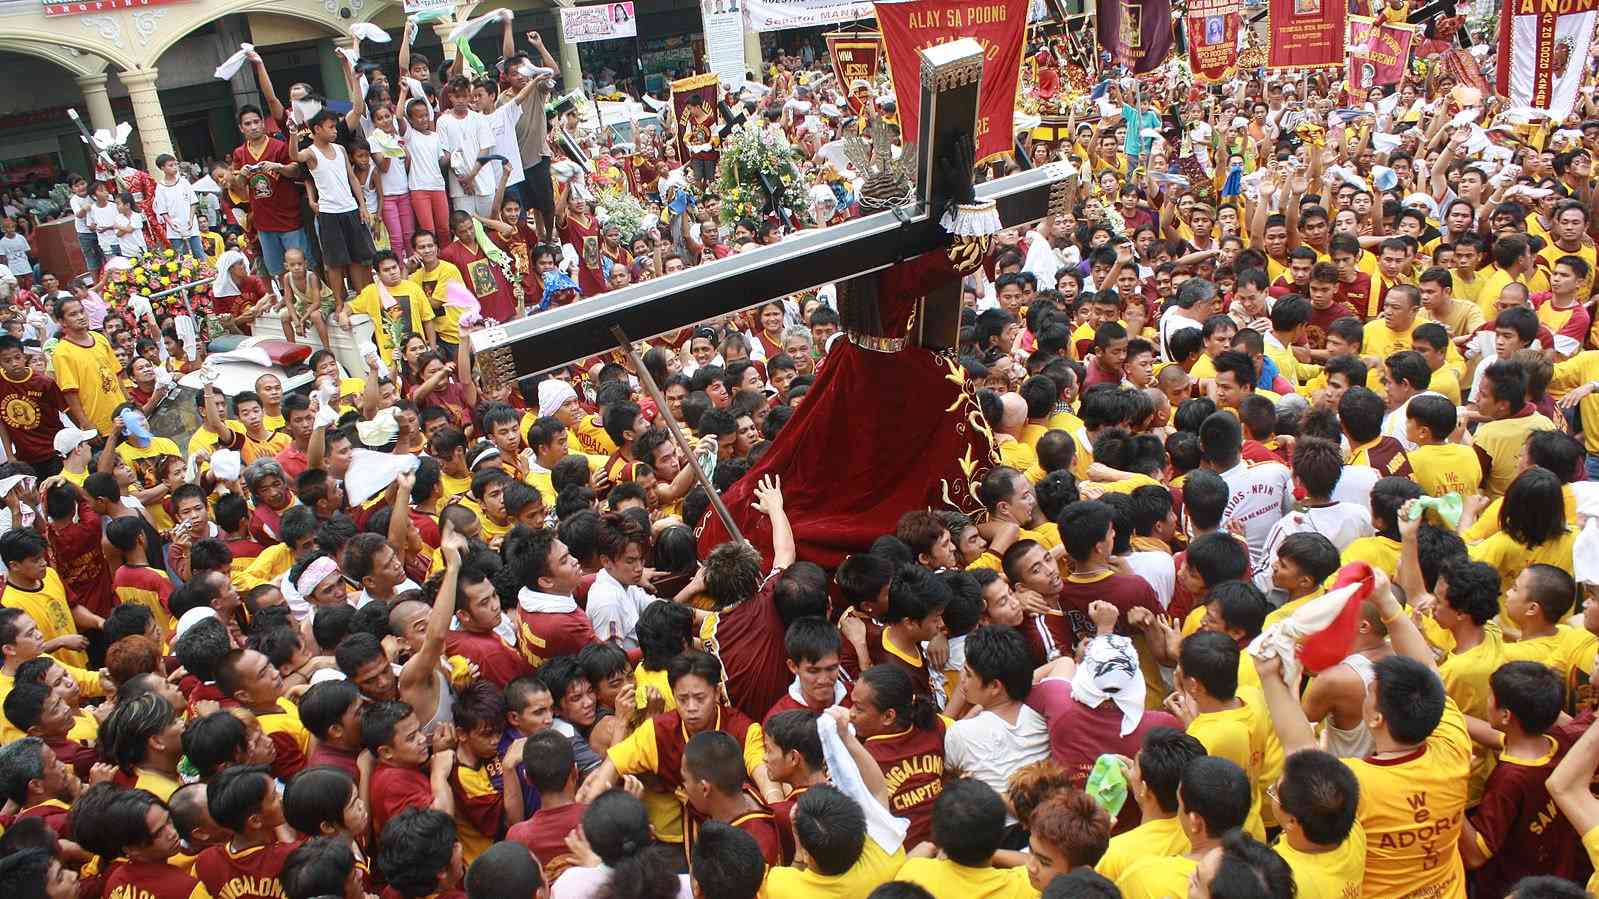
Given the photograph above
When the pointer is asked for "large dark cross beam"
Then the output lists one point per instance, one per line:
(801, 261)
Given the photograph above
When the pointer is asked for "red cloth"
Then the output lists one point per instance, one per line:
(1322, 319)
(584, 236)
(31, 410)
(333, 756)
(130, 878)
(294, 462)
(274, 200)
(875, 438)
(545, 635)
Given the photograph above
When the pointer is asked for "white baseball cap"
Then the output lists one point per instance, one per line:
(70, 438)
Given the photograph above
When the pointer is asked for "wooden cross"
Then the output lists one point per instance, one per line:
(805, 260)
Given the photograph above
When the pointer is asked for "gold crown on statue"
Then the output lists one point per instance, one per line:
(889, 181)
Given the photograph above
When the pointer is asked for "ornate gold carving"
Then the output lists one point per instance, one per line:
(496, 366)
(963, 71)
(877, 344)
(966, 254)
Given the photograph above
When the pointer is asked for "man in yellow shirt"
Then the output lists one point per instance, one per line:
(1436, 464)
(1152, 782)
(1315, 801)
(1511, 421)
(20, 641)
(434, 276)
(968, 825)
(1391, 333)
(1214, 798)
(1576, 383)
(1413, 787)
(1535, 606)
(1438, 305)
(398, 308)
(1432, 341)
(34, 587)
(86, 369)
(1512, 261)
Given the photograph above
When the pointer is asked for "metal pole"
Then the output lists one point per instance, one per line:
(654, 391)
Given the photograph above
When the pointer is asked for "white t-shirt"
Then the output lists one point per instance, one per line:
(614, 610)
(989, 749)
(132, 243)
(424, 151)
(1342, 523)
(104, 217)
(78, 205)
(1170, 323)
(1257, 496)
(1354, 485)
(14, 249)
(466, 139)
(1159, 570)
(176, 203)
(395, 181)
(502, 122)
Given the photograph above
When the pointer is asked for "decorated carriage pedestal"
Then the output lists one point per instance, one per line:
(173, 283)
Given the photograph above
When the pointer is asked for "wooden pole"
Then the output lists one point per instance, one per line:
(654, 391)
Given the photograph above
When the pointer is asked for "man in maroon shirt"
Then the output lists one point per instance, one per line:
(1110, 353)
(331, 711)
(405, 777)
(746, 632)
(550, 623)
(812, 646)
(1098, 706)
(74, 534)
(477, 612)
(1326, 307)
(266, 172)
(548, 763)
(30, 410)
(1515, 831)
(246, 866)
(299, 421)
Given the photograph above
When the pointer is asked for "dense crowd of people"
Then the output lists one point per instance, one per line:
(418, 632)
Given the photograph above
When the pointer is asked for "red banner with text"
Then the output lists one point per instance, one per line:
(1212, 38)
(856, 55)
(999, 25)
(1306, 34)
(1378, 55)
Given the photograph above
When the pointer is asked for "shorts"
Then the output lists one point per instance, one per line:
(538, 192)
(344, 238)
(275, 243)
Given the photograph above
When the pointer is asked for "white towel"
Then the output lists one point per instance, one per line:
(234, 63)
(471, 27)
(371, 473)
(1109, 670)
(366, 31)
(886, 831)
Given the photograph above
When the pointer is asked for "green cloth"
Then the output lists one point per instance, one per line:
(1107, 784)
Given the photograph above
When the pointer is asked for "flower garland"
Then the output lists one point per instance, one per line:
(748, 155)
(156, 272)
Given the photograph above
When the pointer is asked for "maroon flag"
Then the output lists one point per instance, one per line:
(1138, 33)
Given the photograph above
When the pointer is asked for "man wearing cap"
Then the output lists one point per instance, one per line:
(72, 445)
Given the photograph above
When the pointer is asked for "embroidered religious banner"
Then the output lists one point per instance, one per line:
(1305, 34)
(856, 55)
(694, 109)
(1000, 26)
(1137, 33)
(1377, 55)
(1212, 38)
(1543, 45)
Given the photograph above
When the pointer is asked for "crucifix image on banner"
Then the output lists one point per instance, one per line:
(1542, 47)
